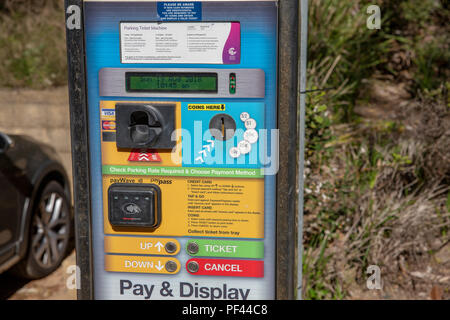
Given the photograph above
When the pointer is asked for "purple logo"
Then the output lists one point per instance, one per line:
(232, 50)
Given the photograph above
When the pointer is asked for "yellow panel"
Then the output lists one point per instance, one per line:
(139, 245)
(139, 264)
(211, 207)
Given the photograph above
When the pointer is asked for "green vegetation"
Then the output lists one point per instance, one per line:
(33, 44)
(377, 150)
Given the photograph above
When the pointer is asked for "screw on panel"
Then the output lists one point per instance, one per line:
(171, 266)
(193, 266)
(170, 247)
(192, 247)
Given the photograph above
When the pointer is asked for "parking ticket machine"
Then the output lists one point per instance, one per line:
(181, 101)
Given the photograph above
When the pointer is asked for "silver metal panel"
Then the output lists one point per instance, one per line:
(301, 139)
(250, 83)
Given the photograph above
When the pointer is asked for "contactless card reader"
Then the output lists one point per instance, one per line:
(134, 205)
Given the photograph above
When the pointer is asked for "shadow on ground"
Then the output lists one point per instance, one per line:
(10, 284)
(52, 287)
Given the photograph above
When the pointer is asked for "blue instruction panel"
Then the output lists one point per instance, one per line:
(182, 101)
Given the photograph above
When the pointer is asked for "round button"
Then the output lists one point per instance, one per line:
(234, 152)
(170, 247)
(192, 247)
(193, 266)
(171, 266)
(250, 123)
(244, 116)
(244, 147)
(251, 135)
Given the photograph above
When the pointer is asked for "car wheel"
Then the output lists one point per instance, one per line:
(50, 233)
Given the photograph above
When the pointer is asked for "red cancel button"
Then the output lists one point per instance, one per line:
(226, 267)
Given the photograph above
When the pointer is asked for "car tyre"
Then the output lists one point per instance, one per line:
(50, 234)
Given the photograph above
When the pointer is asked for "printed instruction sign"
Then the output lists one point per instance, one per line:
(175, 11)
(180, 42)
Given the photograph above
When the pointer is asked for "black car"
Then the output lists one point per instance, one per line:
(36, 216)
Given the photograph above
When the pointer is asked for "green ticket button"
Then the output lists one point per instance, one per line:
(225, 248)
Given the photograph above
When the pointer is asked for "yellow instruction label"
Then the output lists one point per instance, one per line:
(208, 207)
(206, 107)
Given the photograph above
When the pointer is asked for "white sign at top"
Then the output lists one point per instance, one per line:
(180, 42)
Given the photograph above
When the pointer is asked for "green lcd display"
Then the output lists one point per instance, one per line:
(171, 82)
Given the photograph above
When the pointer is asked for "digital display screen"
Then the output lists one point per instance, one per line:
(171, 82)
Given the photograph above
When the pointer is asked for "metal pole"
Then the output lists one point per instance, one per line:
(301, 139)
(80, 145)
(288, 134)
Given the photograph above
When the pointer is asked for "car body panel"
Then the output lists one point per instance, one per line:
(10, 216)
(25, 168)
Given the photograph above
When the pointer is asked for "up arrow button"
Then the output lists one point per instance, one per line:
(141, 245)
(159, 245)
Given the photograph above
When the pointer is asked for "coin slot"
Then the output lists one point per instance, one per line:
(222, 127)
